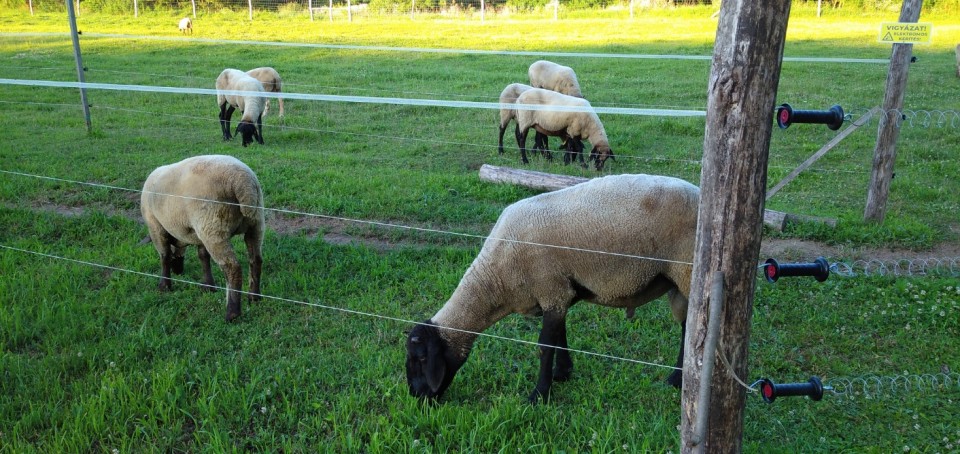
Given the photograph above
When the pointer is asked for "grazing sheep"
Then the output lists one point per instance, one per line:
(551, 76)
(509, 96)
(251, 124)
(186, 25)
(206, 200)
(571, 126)
(270, 79)
(646, 223)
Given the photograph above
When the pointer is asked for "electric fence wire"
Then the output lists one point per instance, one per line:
(333, 308)
(899, 267)
(877, 386)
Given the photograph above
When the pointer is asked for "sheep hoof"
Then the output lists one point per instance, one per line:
(232, 315)
(536, 397)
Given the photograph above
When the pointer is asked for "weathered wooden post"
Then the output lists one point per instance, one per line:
(742, 89)
(75, 37)
(885, 152)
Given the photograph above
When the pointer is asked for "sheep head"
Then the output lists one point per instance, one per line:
(249, 133)
(600, 153)
(431, 364)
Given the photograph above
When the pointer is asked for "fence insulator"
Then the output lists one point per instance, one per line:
(833, 118)
(819, 269)
(770, 391)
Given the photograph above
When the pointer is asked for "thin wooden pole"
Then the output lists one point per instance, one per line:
(250, 8)
(310, 8)
(349, 11)
(76, 56)
(193, 4)
(885, 153)
(31, 6)
(330, 11)
(742, 89)
(136, 9)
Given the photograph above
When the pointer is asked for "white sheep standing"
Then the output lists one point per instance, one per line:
(572, 126)
(509, 96)
(186, 25)
(546, 252)
(270, 79)
(551, 76)
(251, 123)
(204, 201)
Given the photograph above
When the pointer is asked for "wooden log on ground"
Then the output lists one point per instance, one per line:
(776, 220)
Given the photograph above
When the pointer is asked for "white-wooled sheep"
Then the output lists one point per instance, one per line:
(204, 201)
(509, 96)
(551, 76)
(250, 126)
(576, 123)
(186, 25)
(270, 79)
(618, 241)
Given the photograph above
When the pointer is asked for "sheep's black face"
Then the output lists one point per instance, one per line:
(600, 155)
(430, 364)
(248, 131)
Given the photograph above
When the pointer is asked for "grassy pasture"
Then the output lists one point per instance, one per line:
(93, 358)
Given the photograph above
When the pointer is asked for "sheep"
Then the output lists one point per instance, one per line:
(509, 96)
(251, 124)
(647, 222)
(204, 201)
(186, 25)
(270, 79)
(559, 78)
(569, 125)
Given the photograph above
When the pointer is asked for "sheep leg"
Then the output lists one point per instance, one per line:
(258, 134)
(552, 334)
(254, 241)
(503, 128)
(222, 253)
(226, 112)
(564, 365)
(204, 257)
(522, 143)
(676, 378)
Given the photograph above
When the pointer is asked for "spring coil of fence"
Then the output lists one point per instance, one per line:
(901, 267)
(871, 386)
(921, 118)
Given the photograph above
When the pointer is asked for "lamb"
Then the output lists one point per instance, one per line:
(252, 105)
(204, 201)
(186, 25)
(568, 124)
(270, 79)
(551, 76)
(648, 221)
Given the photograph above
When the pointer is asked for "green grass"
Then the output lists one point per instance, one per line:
(94, 358)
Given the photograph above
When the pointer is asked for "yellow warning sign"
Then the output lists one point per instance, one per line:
(906, 32)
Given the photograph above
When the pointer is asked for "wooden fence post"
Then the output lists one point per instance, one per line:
(885, 153)
(742, 89)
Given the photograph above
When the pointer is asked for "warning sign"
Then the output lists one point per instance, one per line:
(906, 32)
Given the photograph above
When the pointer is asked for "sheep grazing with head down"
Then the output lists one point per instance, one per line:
(270, 79)
(204, 201)
(508, 97)
(618, 241)
(250, 126)
(186, 25)
(551, 76)
(574, 122)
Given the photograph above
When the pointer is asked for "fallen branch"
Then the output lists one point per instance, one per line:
(551, 182)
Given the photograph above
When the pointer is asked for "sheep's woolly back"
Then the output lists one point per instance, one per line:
(648, 216)
(509, 96)
(559, 78)
(188, 184)
(186, 24)
(267, 76)
(584, 125)
(251, 105)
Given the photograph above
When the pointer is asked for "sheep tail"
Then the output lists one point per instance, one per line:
(250, 197)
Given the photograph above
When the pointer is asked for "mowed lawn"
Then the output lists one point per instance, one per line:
(375, 210)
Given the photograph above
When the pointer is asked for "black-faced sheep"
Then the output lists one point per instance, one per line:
(204, 201)
(186, 26)
(270, 79)
(551, 76)
(646, 223)
(509, 96)
(251, 123)
(572, 126)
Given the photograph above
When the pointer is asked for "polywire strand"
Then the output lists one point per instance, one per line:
(898, 267)
(359, 221)
(340, 309)
(870, 386)
(445, 51)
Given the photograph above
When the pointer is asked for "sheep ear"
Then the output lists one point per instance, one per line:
(436, 368)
